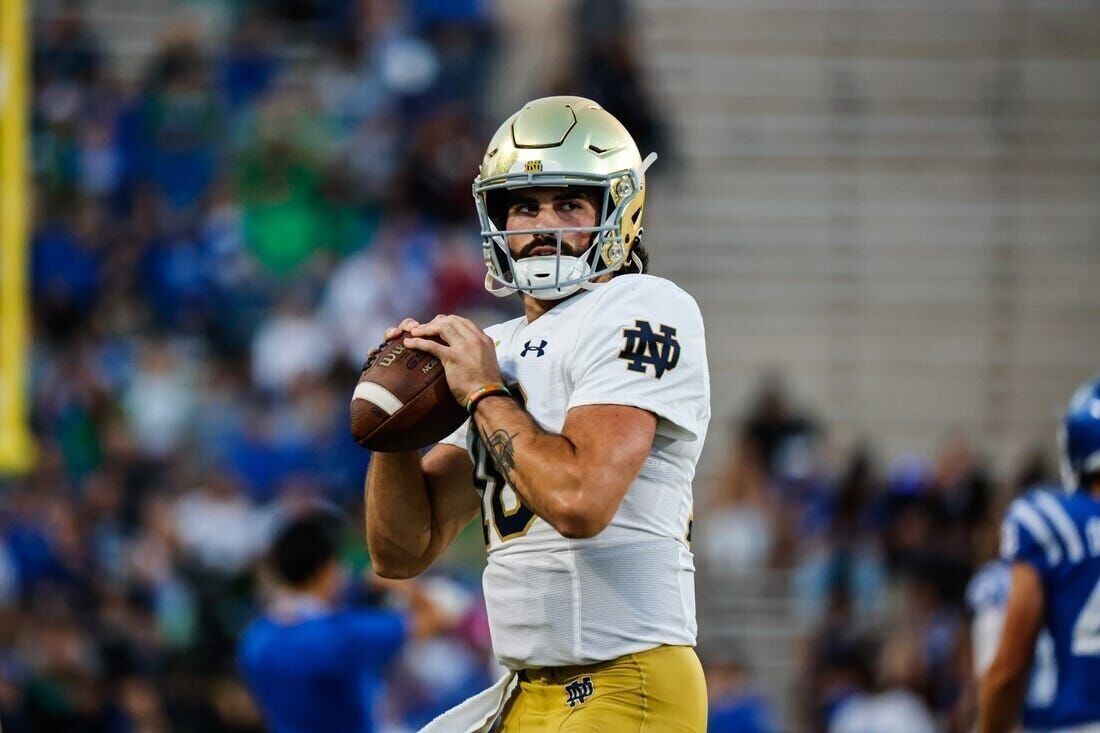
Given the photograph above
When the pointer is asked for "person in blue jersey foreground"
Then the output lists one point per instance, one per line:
(1053, 544)
(310, 664)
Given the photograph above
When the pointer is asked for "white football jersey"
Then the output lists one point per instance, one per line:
(637, 340)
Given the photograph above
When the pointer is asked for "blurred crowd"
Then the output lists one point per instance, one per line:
(878, 560)
(219, 238)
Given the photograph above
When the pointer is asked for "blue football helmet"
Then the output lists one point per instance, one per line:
(1080, 435)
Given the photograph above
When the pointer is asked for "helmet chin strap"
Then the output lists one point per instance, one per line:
(496, 289)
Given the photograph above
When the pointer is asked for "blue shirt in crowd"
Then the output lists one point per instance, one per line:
(749, 713)
(320, 671)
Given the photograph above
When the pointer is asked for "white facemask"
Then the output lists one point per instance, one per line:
(533, 274)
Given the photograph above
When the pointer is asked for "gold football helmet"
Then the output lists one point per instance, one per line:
(561, 141)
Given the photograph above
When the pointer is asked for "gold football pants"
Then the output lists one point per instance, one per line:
(660, 689)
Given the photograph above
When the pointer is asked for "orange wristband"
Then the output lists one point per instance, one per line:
(485, 390)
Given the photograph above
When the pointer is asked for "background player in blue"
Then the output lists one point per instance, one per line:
(1053, 544)
(986, 596)
(310, 665)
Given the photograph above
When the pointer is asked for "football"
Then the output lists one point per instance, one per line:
(402, 401)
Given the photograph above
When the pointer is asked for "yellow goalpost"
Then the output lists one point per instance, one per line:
(16, 443)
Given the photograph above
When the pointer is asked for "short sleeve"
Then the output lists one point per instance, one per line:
(642, 344)
(1027, 537)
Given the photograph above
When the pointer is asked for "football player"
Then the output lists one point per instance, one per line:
(587, 417)
(986, 596)
(1053, 544)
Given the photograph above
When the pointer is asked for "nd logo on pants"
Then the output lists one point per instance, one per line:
(660, 689)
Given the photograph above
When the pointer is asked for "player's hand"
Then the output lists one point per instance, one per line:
(406, 325)
(468, 355)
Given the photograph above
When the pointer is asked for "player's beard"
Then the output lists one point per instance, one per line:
(545, 241)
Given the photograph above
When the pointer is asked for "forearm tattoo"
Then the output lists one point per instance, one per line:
(503, 452)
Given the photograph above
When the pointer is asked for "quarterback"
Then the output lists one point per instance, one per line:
(587, 417)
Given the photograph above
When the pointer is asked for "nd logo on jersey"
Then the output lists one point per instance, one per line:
(645, 348)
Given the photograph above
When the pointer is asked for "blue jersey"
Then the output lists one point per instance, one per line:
(1059, 535)
(320, 673)
(986, 595)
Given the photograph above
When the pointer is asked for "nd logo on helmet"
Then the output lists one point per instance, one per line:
(532, 166)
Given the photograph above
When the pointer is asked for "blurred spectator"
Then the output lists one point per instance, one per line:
(461, 34)
(176, 281)
(736, 532)
(920, 540)
(249, 66)
(65, 50)
(837, 664)
(280, 176)
(219, 529)
(66, 273)
(311, 664)
(159, 402)
(962, 496)
(179, 126)
(845, 559)
(438, 165)
(397, 266)
(1033, 469)
(438, 672)
(735, 707)
(895, 707)
(292, 344)
(459, 279)
(776, 429)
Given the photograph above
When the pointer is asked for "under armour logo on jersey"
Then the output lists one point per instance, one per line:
(539, 350)
(578, 691)
(645, 348)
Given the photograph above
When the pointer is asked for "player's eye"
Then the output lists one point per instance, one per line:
(570, 205)
(524, 209)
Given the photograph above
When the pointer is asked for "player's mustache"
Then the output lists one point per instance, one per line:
(544, 241)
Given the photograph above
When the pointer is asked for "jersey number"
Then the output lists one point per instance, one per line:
(507, 511)
(1086, 632)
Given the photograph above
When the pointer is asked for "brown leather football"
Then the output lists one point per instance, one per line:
(402, 401)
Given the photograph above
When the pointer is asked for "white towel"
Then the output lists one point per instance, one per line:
(477, 714)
